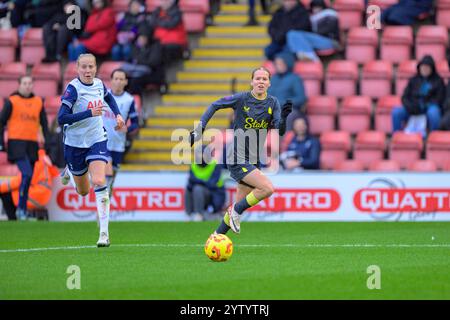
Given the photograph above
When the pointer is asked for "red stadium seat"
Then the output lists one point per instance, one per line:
(269, 66)
(349, 166)
(120, 5)
(396, 43)
(406, 70)
(423, 166)
(312, 75)
(194, 13)
(376, 79)
(438, 147)
(8, 170)
(105, 70)
(9, 75)
(335, 147)
(321, 112)
(70, 73)
(138, 103)
(8, 44)
(52, 104)
(354, 114)
(32, 46)
(383, 4)
(361, 44)
(369, 146)
(442, 69)
(340, 78)
(3, 158)
(383, 112)
(443, 13)
(385, 165)
(46, 78)
(350, 13)
(405, 148)
(432, 40)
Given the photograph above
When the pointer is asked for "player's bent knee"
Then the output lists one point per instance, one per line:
(83, 192)
(98, 181)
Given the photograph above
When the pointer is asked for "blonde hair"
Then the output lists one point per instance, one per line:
(83, 55)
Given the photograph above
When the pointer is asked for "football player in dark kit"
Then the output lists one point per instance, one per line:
(255, 113)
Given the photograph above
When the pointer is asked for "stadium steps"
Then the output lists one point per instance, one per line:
(227, 51)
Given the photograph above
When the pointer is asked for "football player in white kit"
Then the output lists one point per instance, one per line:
(85, 138)
(118, 138)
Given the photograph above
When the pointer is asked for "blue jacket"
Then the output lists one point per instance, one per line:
(288, 85)
(307, 150)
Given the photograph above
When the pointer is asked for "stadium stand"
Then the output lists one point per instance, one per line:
(354, 114)
(321, 111)
(8, 44)
(443, 13)
(376, 79)
(405, 148)
(362, 44)
(46, 78)
(406, 69)
(32, 48)
(341, 78)
(383, 111)
(335, 147)
(438, 148)
(350, 13)
(312, 75)
(423, 165)
(351, 165)
(396, 43)
(369, 146)
(9, 74)
(384, 166)
(432, 40)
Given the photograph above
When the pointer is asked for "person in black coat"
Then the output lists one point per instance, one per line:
(424, 94)
(291, 16)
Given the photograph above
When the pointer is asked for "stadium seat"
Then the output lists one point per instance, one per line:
(438, 147)
(423, 166)
(194, 14)
(443, 13)
(376, 79)
(354, 114)
(361, 44)
(46, 78)
(312, 75)
(9, 75)
(321, 112)
(406, 70)
(52, 104)
(405, 148)
(70, 73)
(349, 166)
(105, 70)
(341, 77)
(120, 5)
(432, 40)
(335, 147)
(3, 158)
(384, 165)
(383, 112)
(350, 13)
(443, 70)
(32, 46)
(396, 43)
(8, 170)
(369, 146)
(269, 66)
(383, 4)
(8, 45)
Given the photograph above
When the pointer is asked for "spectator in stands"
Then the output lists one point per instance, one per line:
(24, 115)
(145, 64)
(324, 35)
(127, 31)
(303, 149)
(252, 21)
(205, 191)
(56, 33)
(18, 8)
(167, 23)
(40, 190)
(291, 16)
(445, 121)
(424, 95)
(406, 12)
(99, 34)
(286, 85)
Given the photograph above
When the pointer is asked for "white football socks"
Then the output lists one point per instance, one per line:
(102, 199)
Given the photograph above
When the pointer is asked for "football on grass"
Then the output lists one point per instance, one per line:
(219, 247)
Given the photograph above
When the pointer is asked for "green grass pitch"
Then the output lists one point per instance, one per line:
(165, 260)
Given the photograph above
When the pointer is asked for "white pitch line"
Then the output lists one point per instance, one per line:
(289, 245)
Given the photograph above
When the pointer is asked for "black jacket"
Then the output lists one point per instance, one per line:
(284, 21)
(411, 98)
(150, 55)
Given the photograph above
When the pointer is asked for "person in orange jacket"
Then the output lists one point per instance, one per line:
(40, 190)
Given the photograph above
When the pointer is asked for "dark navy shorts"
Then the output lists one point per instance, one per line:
(116, 158)
(78, 159)
(239, 171)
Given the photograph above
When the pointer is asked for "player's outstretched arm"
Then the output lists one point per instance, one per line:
(223, 103)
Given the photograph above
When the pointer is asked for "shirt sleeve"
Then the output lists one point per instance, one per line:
(223, 103)
(69, 96)
(134, 118)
